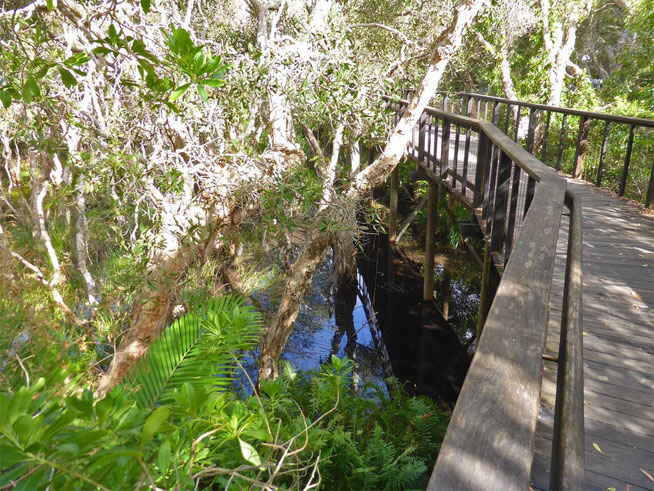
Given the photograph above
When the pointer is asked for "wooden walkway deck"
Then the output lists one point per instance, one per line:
(618, 272)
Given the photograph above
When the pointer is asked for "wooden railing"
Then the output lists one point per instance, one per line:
(518, 203)
(593, 128)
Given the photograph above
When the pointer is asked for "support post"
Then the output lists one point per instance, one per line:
(392, 226)
(430, 241)
(485, 299)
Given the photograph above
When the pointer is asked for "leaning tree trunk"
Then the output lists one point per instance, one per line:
(298, 278)
(169, 263)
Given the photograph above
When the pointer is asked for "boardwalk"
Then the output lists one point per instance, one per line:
(618, 325)
(618, 346)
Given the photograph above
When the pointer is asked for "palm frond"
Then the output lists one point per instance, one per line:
(198, 349)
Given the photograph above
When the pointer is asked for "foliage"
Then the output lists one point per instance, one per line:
(301, 429)
(197, 350)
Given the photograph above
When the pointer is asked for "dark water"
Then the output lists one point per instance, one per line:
(381, 323)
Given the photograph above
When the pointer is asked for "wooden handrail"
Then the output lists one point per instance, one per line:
(644, 122)
(490, 439)
(597, 174)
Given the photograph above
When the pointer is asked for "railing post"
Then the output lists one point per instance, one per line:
(430, 241)
(445, 146)
(582, 141)
(627, 160)
(496, 113)
(392, 225)
(605, 147)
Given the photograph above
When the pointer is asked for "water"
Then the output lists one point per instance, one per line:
(381, 323)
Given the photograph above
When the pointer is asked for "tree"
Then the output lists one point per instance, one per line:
(299, 276)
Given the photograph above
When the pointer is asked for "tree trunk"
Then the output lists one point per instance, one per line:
(298, 278)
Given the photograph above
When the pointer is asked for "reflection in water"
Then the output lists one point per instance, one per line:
(380, 323)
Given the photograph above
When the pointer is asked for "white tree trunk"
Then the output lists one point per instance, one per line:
(298, 279)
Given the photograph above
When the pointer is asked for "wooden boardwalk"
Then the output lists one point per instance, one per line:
(618, 336)
(618, 274)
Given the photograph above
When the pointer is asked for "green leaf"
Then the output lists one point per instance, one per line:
(597, 447)
(5, 98)
(178, 92)
(163, 457)
(213, 82)
(51, 4)
(67, 78)
(77, 59)
(145, 5)
(30, 90)
(153, 423)
(204, 95)
(13, 475)
(249, 453)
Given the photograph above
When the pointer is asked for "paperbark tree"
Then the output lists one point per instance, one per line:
(170, 261)
(559, 29)
(299, 276)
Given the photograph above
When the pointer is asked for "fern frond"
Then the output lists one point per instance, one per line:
(196, 349)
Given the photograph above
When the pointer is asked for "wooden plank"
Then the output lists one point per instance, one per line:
(617, 405)
(604, 463)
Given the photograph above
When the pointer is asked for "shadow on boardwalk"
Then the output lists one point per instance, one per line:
(618, 345)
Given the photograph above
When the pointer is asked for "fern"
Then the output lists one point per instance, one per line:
(196, 349)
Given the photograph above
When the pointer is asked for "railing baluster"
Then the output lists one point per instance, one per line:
(482, 169)
(421, 137)
(513, 210)
(490, 187)
(445, 146)
(435, 159)
(508, 119)
(499, 211)
(546, 135)
(531, 130)
(605, 147)
(562, 139)
(464, 184)
(529, 195)
(649, 201)
(517, 124)
(627, 160)
(469, 105)
(582, 141)
(430, 142)
(486, 111)
(496, 114)
(455, 160)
